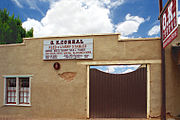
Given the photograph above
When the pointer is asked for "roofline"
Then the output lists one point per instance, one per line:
(14, 44)
(119, 39)
(68, 36)
(138, 39)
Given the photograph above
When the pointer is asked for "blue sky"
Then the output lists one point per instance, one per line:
(131, 18)
(117, 69)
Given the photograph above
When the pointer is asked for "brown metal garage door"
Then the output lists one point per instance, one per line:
(118, 95)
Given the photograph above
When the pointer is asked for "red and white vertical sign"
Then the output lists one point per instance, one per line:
(170, 23)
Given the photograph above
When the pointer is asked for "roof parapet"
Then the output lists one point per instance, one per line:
(138, 39)
(68, 36)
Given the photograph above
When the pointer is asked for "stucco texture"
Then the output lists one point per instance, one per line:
(172, 79)
(53, 96)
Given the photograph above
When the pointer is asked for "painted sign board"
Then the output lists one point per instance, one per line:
(68, 49)
(170, 23)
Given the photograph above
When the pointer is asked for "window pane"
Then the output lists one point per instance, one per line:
(11, 90)
(24, 90)
(11, 82)
(24, 82)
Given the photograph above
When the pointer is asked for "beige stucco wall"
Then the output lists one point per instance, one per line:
(172, 80)
(51, 95)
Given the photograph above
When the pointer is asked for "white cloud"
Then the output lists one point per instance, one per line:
(37, 26)
(135, 66)
(127, 71)
(50, 1)
(17, 3)
(148, 18)
(178, 13)
(178, 17)
(110, 69)
(33, 5)
(130, 25)
(130, 68)
(67, 17)
(154, 30)
(44, 0)
(105, 1)
(73, 17)
(117, 69)
(116, 3)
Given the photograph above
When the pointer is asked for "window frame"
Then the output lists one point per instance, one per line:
(17, 89)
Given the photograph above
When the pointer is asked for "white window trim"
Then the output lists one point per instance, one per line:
(17, 86)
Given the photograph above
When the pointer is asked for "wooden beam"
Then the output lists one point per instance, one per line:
(127, 62)
(87, 100)
(148, 90)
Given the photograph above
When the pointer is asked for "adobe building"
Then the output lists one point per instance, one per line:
(172, 61)
(51, 77)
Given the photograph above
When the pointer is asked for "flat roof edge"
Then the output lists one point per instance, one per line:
(68, 36)
(12, 45)
(138, 39)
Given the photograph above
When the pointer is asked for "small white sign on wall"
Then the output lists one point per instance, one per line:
(68, 49)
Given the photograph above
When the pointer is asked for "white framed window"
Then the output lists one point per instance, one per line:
(17, 90)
